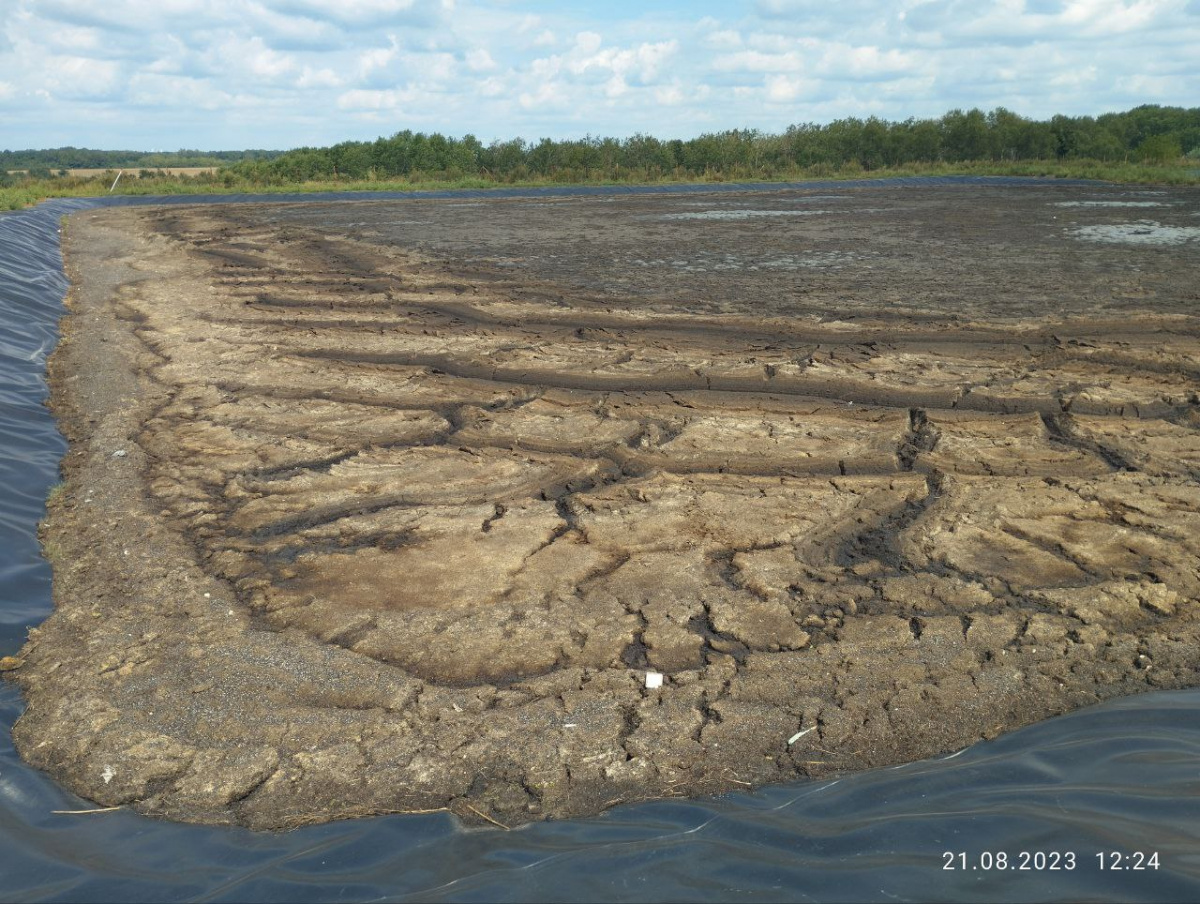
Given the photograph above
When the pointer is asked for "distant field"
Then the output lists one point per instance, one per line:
(133, 172)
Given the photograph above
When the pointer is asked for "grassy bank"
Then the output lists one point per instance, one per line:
(26, 192)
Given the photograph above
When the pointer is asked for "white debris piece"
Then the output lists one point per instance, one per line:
(798, 735)
(654, 679)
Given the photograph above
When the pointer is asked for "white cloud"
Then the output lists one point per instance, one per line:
(1044, 7)
(252, 57)
(1075, 78)
(76, 38)
(643, 62)
(820, 9)
(784, 89)
(151, 90)
(492, 87)
(615, 87)
(429, 67)
(291, 32)
(1110, 16)
(723, 39)
(171, 58)
(1022, 21)
(756, 61)
(391, 99)
(1140, 85)
(133, 17)
(587, 43)
(376, 58)
(479, 60)
(845, 20)
(364, 14)
(81, 78)
(547, 96)
(840, 61)
(318, 78)
(669, 95)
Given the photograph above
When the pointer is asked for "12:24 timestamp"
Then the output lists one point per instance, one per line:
(1136, 860)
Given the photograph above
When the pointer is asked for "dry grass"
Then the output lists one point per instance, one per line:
(135, 172)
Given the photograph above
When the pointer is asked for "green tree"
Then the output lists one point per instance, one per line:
(965, 135)
(1159, 149)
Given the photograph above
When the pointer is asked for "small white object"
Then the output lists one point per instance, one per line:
(798, 735)
(120, 453)
(653, 680)
(568, 724)
(107, 774)
(208, 596)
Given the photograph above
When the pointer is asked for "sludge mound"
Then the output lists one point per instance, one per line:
(351, 530)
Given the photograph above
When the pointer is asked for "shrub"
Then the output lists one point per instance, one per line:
(1159, 149)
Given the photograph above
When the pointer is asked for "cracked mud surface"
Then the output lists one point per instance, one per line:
(379, 507)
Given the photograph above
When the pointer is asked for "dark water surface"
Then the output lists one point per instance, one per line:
(1121, 780)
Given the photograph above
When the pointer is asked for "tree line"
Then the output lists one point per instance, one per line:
(1146, 134)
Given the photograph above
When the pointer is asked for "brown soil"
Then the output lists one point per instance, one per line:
(379, 507)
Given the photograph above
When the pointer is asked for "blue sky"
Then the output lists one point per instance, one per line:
(165, 74)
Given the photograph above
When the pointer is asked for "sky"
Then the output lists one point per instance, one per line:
(216, 75)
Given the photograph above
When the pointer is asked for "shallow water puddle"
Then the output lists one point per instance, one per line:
(1143, 232)
(739, 214)
(708, 202)
(1109, 204)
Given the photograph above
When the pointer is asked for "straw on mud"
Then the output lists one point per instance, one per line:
(485, 816)
(80, 812)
